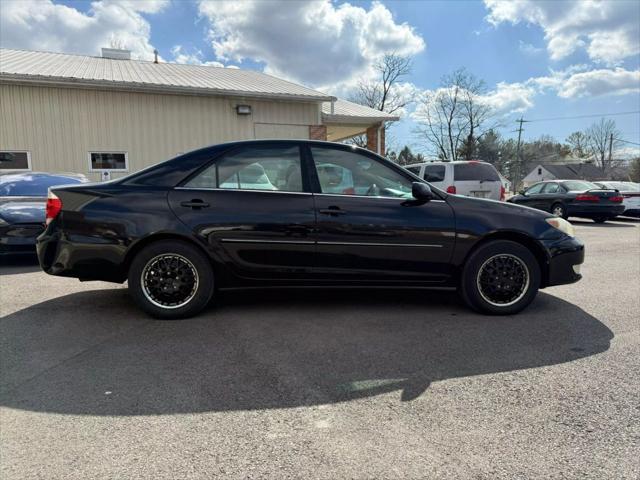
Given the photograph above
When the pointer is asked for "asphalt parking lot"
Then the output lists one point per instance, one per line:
(325, 384)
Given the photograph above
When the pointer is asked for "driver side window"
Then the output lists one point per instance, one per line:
(349, 173)
(535, 189)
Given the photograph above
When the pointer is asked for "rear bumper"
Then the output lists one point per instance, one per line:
(566, 256)
(61, 257)
(594, 211)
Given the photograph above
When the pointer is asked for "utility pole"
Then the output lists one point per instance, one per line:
(610, 152)
(516, 177)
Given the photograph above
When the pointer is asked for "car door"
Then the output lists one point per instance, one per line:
(531, 196)
(252, 209)
(550, 194)
(373, 230)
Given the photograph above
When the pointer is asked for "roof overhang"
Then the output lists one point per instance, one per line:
(357, 119)
(66, 82)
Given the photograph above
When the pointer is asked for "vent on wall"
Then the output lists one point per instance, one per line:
(116, 54)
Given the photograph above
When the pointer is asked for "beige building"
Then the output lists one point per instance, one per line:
(110, 115)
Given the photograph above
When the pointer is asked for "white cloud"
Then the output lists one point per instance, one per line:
(574, 83)
(44, 25)
(316, 43)
(195, 57)
(608, 30)
(528, 48)
(509, 98)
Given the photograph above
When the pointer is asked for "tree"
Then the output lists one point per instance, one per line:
(579, 144)
(603, 138)
(453, 117)
(634, 169)
(383, 92)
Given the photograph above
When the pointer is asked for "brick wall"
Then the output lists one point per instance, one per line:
(317, 132)
(372, 139)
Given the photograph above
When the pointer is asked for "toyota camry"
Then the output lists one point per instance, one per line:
(263, 214)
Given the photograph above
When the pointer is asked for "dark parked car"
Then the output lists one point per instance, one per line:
(182, 229)
(572, 198)
(23, 197)
(630, 192)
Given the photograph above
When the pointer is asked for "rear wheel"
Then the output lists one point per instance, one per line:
(171, 279)
(500, 278)
(600, 219)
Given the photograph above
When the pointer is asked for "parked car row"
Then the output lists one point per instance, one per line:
(23, 197)
(630, 196)
(572, 198)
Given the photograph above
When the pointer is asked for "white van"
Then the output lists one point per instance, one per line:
(472, 178)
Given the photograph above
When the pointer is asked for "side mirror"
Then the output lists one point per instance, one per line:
(421, 191)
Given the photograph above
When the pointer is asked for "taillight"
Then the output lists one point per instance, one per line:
(502, 193)
(616, 199)
(451, 189)
(585, 197)
(54, 205)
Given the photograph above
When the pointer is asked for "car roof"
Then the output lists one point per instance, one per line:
(457, 162)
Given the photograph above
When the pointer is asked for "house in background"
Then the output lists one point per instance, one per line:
(110, 115)
(570, 171)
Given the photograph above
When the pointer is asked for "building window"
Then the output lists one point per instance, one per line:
(539, 171)
(111, 161)
(15, 160)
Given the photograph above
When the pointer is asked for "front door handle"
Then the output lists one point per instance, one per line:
(195, 203)
(332, 211)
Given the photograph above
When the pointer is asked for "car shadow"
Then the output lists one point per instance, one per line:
(93, 352)
(14, 264)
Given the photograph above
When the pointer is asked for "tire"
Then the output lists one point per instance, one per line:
(507, 255)
(600, 219)
(171, 279)
(559, 210)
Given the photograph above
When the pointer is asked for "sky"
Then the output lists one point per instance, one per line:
(542, 61)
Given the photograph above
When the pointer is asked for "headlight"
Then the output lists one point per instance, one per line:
(562, 225)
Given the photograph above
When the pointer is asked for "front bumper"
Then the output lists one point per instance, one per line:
(565, 257)
(19, 238)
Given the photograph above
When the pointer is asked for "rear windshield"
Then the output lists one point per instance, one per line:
(474, 171)
(31, 186)
(578, 186)
(434, 173)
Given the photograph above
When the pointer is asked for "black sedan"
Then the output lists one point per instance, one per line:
(258, 214)
(23, 197)
(572, 198)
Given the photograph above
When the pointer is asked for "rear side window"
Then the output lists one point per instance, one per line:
(254, 168)
(414, 170)
(474, 171)
(551, 188)
(434, 173)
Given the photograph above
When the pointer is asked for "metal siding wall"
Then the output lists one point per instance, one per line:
(59, 126)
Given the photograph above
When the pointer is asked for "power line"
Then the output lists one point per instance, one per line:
(585, 116)
(627, 141)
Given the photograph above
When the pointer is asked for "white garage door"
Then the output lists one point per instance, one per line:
(279, 130)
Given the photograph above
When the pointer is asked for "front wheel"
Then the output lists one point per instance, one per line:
(559, 211)
(171, 279)
(500, 278)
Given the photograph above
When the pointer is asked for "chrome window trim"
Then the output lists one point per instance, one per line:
(369, 196)
(241, 190)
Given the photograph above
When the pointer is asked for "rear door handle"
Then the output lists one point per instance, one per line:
(195, 203)
(332, 211)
